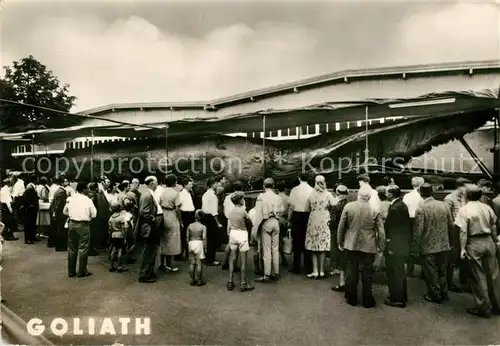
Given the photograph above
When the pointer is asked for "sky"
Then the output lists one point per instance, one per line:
(121, 51)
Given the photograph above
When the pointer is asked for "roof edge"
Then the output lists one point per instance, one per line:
(309, 82)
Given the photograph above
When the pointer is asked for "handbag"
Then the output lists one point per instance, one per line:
(43, 205)
(287, 242)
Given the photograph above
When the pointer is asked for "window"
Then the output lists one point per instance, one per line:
(322, 128)
(303, 130)
(257, 135)
(274, 133)
(292, 131)
(311, 129)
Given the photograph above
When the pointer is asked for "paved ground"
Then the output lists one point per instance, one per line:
(295, 311)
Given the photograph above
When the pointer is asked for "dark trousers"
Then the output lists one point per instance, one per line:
(454, 260)
(485, 273)
(60, 233)
(212, 237)
(435, 271)
(337, 259)
(299, 229)
(396, 277)
(9, 221)
(187, 218)
(357, 262)
(78, 246)
(149, 253)
(29, 224)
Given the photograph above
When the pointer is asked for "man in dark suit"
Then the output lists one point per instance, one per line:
(30, 208)
(398, 232)
(149, 225)
(57, 205)
(433, 227)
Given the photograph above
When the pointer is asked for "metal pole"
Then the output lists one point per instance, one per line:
(264, 145)
(92, 155)
(366, 139)
(166, 148)
(33, 150)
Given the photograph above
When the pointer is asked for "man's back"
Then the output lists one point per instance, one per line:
(358, 222)
(433, 224)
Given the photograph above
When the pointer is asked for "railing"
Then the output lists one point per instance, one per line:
(14, 330)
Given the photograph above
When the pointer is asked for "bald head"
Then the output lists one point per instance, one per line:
(416, 182)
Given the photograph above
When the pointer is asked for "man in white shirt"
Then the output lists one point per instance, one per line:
(298, 216)
(363, 180)
(187, 214)
(52, 190)
(413, 200)
(210, 206)
(7, 213)
(80, 210)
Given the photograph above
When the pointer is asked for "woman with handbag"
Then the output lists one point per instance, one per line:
(43, 217)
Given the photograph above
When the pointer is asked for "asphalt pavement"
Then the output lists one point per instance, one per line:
(294, 311)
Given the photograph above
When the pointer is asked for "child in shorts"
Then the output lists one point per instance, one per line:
(238, 240)
(197, 243)
(118, 233)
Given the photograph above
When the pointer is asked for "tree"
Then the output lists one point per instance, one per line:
(30, 82)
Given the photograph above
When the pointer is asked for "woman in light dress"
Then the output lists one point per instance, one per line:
(170, 245)
(321, 202)
(43, 217)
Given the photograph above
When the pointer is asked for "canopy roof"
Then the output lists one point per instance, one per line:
(434, 104)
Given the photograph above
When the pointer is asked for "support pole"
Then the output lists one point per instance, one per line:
(367, 151)
(166, 149)
(264, 146)
(476, 159)
(496, 147)
(33, 151)
(92, 155)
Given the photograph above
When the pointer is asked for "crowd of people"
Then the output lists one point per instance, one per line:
(379, 226)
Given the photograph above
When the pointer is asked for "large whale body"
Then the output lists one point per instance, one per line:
(334, 154)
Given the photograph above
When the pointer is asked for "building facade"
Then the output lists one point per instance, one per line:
(344, 86)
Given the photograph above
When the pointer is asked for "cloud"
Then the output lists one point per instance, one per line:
(132, 60)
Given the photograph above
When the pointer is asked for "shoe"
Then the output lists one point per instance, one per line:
(112, 270)
(172, 270)
(72, 275)
(475, 312)
(435, 301)
(322, 275)
(389, 302)
(264, 279)
(84, 275)
(193, 282)
(370, 304)
(230, 286)
(147, 280)
(275, 277)
(313, 276)
(122, 270)
(455, 289)
(213, 264)
(245, 287)
(201, 283)
(335, 272)
(351, 302)
(162, 268)
(339, 288)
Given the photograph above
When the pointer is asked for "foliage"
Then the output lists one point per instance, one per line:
(30, 82)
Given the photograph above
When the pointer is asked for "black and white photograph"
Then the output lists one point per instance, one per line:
(249, 172)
